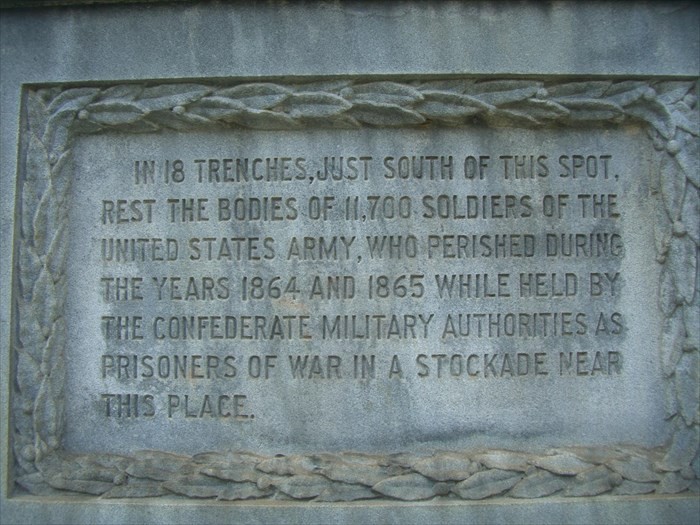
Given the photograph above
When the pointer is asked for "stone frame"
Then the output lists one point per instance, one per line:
(52, 117)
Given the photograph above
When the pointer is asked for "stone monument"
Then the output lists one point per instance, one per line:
(319, 263)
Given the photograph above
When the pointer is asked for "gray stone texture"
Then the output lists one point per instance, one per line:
(401, 40)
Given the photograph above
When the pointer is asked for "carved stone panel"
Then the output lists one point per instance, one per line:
(348, 289)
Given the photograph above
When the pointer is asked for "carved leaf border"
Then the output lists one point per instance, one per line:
(55, 115)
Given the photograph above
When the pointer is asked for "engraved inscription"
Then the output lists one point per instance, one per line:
(220, 282)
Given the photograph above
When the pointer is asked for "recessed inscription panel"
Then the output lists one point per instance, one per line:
(374, 290)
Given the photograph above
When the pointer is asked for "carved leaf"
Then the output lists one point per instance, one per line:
(240, 491)
(314, 105)
(655, 114)
(35, 484)
(52, 356)
(136, 489)
(670, 401)
(30, 334)
(673, 483)
(580, 89)
(178, 121)
(597, 455)
(682, 261)
(672, 182)
(486, 483)
(55, 172)
(28, 377)
(672, 91)
(286, 465)
(41, 222)
(626, 92)
(507, 118)
(58, 251)
(591, 109)
(45, 414)
(499, 92)
(72, 100)
(37, 113)
(538, 109)
(355, 473)
(22, 407)
(111, 461)
(114, 112)
(446, 466)
(44, 301)
(691, 317)
(92, 471)
(598, 480)
(159, 466)
(684, 446)
(562, 464)
(346, 492)
(631, 488)
(58, 131)
(504, 460)
(443, 105)
(196, 486)
(86, 127)
(688, 162)
(166, 96)
(537, 485)
(264, 119)
(686, 121)
(672, 338)
(690, 213)
(592, 482)
(95, 488)
(379, 114)
(687, 382)
(667, 292)
(256, 96)
(122, 91)
(216, 108)
(303, 486)
(229, 458)
(409, 487)
(635, 468)
(405, 459)
(233, 472)
(383, 94)
(55, 413)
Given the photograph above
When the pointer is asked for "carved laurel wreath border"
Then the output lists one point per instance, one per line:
(54, 116)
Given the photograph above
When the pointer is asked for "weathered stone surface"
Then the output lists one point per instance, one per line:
(406, 487)
(346, 492)
(539, 484)
(592, 482)
(446, 467)
(487, 483)
(137, 489)
(630, 488)
(79, 122)
(563, 464)
(635, 468)
(303, 486)
(504, 460)
(364, 474)
(672, 483)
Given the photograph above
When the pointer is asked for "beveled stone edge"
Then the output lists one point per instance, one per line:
(55, 116)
